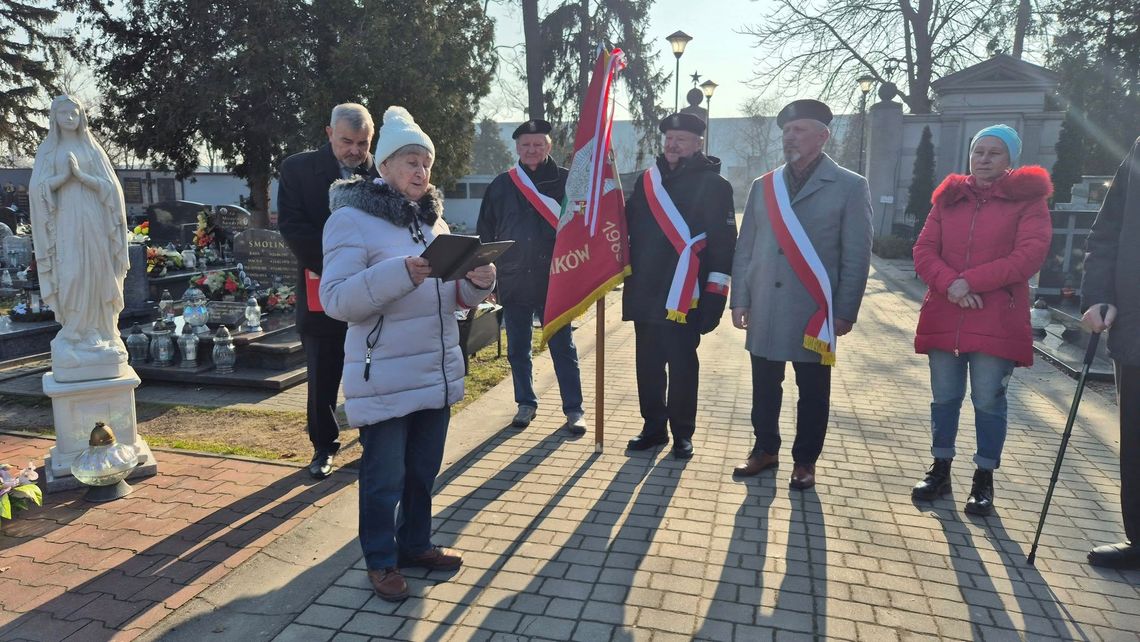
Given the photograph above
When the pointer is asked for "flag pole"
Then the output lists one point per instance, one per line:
(600, 376)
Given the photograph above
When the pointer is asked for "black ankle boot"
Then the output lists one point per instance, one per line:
(936, 483)
(981, 501)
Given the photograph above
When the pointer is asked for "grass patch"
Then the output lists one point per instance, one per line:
(214, 448)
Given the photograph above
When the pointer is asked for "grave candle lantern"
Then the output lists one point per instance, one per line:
(224, 355)
(104, 465)
(161, 344)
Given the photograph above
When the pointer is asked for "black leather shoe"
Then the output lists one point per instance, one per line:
(1123, 556)
(322, 464)
(683, 448)
(981, 500)
(936, 483)
(645, 442)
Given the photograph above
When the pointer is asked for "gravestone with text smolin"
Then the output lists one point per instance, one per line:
(265, 256)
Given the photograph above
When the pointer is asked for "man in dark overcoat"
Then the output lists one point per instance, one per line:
(820, 212)
(1110, 280)
(682, 229)
(523, 205)
(302, 209)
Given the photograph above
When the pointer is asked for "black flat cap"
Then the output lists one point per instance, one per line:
(684, 122)
(805, 108)
(534, 126)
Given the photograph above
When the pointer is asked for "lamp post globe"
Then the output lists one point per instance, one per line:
(708, 87)
(678, 40)
(865, 82)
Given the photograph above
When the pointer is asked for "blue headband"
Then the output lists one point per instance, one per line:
(1005, 134)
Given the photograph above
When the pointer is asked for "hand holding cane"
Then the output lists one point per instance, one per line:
(1090, 353)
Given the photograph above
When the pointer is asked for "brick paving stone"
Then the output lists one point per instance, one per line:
(301, 633)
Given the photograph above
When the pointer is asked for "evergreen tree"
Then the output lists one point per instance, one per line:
(568, 37)
(921, 182)
(436, 58)
(28, 66)
(489, 153)
(228, 74)
(1071, 148)
(1097, 53)
(256, 80)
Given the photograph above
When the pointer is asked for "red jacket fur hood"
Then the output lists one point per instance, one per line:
(995, 239)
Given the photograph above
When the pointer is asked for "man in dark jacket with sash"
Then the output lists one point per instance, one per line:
(682, 229)
(302, 209)
(801, 267)
(1111, 266)
(523, 205)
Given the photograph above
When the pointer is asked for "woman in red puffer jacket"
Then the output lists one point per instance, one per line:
(986, 235)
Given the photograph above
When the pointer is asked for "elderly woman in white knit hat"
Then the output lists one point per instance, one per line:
(403, 366)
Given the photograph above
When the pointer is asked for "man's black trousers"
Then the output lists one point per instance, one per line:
(325, 356)
(814, 383)
(667, 396)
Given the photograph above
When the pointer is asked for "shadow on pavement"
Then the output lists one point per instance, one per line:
(167, 567)
(1039, 607)
(464, 603)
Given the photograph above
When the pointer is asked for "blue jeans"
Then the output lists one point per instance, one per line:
(401, 458)
(989, 378)
(518, 319)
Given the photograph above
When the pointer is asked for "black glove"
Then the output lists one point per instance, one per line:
(710, 309)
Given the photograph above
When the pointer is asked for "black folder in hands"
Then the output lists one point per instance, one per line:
(452, 256)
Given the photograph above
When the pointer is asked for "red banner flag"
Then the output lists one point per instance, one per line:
(591, 250)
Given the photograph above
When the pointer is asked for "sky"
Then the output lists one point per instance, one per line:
(717, 52)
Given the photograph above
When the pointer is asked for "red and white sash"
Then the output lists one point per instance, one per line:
(683, 293)
(548, 208)
(819, 335)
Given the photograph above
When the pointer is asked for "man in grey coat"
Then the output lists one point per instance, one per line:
(1111, 266)
(801, 265)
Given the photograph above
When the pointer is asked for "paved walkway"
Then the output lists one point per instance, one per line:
(561, 542)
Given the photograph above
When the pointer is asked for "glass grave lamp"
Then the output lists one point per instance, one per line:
(252, 315)
(166, 306)
(224, 355)
(161, 344)
(138, 346)
(195, 310)
(104, 465)
(188, 346)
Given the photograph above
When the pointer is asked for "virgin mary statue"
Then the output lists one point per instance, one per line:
(79, 226)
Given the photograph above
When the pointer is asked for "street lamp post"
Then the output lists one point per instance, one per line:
(678, 40)
(708, 87)
(865, 81)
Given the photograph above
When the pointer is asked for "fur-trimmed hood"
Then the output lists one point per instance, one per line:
(381, 200)
(1022, 184)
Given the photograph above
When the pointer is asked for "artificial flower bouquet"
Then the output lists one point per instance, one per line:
(159, 260)
(219, 285)
(281, 297)
(205, 234)
(18, 489)
(22, 313)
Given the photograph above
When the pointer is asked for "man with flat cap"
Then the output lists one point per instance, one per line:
(523, 205)
(801, 266)
(682, 229)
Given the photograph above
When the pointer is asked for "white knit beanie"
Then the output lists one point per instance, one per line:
(399, 129)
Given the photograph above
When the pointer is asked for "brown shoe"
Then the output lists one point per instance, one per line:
(803, 476)
(755, 464)
(433, 559)
(389, 584)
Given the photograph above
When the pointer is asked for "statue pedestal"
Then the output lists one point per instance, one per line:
(76, 406)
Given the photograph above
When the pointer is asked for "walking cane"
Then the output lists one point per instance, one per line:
(1090, 352)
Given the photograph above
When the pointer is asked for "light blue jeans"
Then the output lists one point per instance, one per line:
(517, 319)
(989, 378)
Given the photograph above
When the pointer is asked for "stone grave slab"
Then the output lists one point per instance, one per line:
(17, 251)
(174, 221)
(265, 255)
(233, 219)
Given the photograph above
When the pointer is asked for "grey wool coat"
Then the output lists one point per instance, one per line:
(1112, 262)
(834, 208)
(417, 363)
